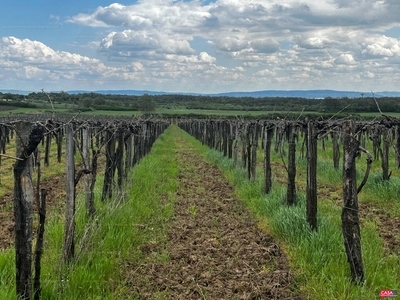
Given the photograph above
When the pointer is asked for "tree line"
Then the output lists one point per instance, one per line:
(148, 103)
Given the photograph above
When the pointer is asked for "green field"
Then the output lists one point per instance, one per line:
(73, 109)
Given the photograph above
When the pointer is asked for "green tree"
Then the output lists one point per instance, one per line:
(146, 103)
(330, 104)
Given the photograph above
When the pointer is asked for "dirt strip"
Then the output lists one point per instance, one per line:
(215, 248)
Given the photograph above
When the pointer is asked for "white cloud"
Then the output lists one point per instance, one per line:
(264, 45)
(368, 74)
(231, 44)
(207, 58)
(345, 59)
(129, 43)
(34, 60)
(382, 46)
(31, 60)
(265, 72)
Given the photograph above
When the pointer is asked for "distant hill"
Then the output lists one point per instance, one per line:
(121, 92)
(314, 94)
(15, 92)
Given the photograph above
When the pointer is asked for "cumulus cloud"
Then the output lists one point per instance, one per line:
(34, 60)
(264, 45)
(231, 44)
(207, 58)
(129, 43)
(345, 59)
(37, 53)
(382, 46)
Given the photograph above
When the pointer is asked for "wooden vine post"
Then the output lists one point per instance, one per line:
(268, 134)
(47, 146)
(110, 164)
(236, 146)
(39, 244)
(336, 149)
(69, 243)
(350, 217)
(385, 153)
(59, 140)
(129, 154)
(312, 144)
(397, 146)
(119, 154)
(89, 199)
(254, 146)
(26, 143)
(291, 168)
(244, 144)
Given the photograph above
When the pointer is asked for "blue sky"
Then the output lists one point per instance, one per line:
(200, 46)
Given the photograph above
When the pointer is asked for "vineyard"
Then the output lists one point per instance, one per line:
(135, 208)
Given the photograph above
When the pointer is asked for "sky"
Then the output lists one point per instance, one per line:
(200, 46)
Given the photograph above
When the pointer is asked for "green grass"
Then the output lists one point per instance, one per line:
(66, 109)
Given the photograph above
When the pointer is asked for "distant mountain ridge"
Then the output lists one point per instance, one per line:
(314, 94)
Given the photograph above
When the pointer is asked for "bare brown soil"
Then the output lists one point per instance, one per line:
(55, 200)
(56, 194)
(389, 228)
(215, 249)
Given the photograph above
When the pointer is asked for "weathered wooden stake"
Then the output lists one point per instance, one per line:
(59, 139)
(312, 144)
(254, 146)
(39, 244)
(268, 132)
(350, 218)
(244, 134)
(110, 166)
(291, 184)
(397, 146)
(385, 154)
(47, 149)
(69, 238)
(119, 153)
(236, 147)
(336, 149)
(89, 200)
(26, 143)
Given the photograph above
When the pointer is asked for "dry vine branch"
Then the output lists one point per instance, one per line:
(369, 162)
(51, 102)
(338, 112)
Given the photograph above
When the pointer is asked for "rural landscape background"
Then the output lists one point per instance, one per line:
(200, 149)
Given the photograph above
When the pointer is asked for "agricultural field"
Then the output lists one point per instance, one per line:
(190, 222)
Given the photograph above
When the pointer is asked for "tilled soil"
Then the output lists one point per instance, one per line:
(215, 248)
(56, 194)
(389, 228)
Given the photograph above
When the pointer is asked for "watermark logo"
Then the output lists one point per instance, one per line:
(388, 293)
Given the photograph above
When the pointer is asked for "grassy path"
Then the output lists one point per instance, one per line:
(214, 249)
